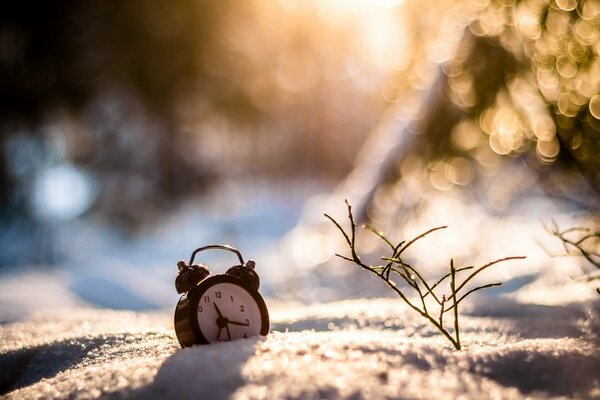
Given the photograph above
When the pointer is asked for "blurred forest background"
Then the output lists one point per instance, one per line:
(121, 111)
(229, 115)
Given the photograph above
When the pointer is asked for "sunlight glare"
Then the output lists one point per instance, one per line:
(374, 24)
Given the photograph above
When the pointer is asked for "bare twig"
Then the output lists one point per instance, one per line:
(576, 242)
(415, 279)
(455, 305)
(480, 269)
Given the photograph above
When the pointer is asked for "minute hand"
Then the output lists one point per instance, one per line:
(237, 323)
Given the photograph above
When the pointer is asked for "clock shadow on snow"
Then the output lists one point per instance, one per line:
(204, 371)
(212, 371)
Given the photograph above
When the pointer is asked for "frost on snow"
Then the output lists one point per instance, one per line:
(370, 349)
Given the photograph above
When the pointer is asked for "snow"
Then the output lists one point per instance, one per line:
(370, 349)
(17, 287)
(100, 323)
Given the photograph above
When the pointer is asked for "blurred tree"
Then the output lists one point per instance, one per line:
(156, 99)
(63, 56)
(518, 80)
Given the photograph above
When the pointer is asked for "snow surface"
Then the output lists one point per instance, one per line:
(536, 336)
(354, 349)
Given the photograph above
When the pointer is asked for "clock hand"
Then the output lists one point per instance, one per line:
(218, 311)
(222, 322)
(237, 323)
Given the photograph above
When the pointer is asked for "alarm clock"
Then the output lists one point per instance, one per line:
(221, 307)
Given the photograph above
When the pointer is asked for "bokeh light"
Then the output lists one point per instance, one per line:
(233, 114)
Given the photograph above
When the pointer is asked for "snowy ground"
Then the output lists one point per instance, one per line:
(537, 336)
(370, 349)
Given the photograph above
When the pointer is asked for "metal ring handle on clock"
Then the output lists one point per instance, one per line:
(220, 247)
(244, 271)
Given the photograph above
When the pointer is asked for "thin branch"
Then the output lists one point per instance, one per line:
(442, 309)
(344, 257)
(352, 225)
(421, 236)
(478, 270)
(424, 315)
(577, 244)
(569, 230)
(574, 246)
(339, 227)
(586, 237)
(454, 291)
(448, 275)
(585, 253)
(375, 231)
(402, 274)
(489, 285)
(387, 269)
(405, 265)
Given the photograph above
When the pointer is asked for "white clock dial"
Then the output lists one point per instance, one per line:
(227, 312)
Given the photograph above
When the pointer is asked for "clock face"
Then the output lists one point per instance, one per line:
(227, 311)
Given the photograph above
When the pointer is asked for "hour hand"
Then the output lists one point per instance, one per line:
(222, 322)
(218, 311)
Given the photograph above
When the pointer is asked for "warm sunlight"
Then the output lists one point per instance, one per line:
(307, 199)
(375, 27)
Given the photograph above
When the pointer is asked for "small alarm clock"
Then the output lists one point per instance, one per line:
(221, 307)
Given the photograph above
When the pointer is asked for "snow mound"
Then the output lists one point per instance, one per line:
(369, 349)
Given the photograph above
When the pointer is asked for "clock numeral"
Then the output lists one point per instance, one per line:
(199, 308)
(247, 321)
(218, 295)
(242, 308)
(231, 298)
(206, 299)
